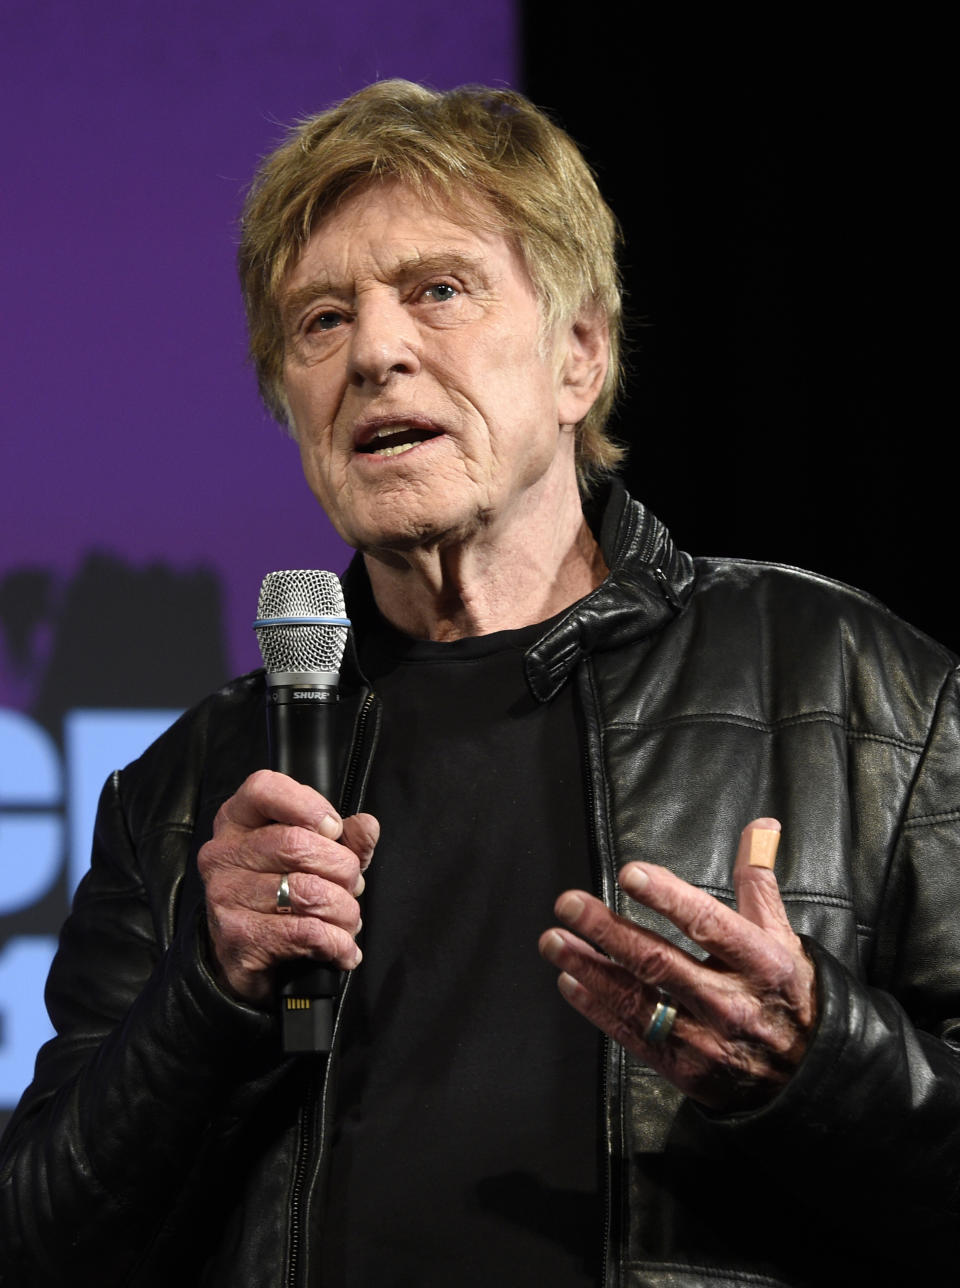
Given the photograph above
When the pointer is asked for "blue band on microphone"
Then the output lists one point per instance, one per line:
(301, 621)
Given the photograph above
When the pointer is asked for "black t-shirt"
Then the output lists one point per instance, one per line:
(465, 1139)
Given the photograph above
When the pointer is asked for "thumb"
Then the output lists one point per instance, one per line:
(757, 892)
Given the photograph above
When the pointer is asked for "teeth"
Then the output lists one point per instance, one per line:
(384, 430)
(395, 451)
(414, 438)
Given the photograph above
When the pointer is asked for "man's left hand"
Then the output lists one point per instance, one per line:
(744, 1016)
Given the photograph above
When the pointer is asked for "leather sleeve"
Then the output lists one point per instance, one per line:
(151, 1063)
(869, 1126)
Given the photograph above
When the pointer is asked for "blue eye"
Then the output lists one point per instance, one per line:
(442, 291)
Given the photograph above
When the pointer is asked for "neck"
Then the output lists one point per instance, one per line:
(493, 583)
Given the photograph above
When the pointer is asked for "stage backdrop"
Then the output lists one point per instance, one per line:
(144, 492)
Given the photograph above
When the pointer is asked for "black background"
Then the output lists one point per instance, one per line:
(783, 197)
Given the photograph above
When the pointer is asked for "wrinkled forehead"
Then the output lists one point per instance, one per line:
(454, 214)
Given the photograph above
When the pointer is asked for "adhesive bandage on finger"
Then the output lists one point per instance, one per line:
(762, 843)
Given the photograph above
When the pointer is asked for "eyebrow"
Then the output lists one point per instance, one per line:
(451, 261)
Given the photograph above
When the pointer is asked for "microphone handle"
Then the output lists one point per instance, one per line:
(300, 741)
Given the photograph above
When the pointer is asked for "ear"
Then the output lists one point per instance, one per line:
(584, 354)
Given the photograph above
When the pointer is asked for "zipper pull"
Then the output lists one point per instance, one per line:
(667, 590)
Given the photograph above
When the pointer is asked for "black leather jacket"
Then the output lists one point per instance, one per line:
(165, 1141)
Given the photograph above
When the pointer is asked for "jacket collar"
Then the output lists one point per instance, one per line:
(649, 582)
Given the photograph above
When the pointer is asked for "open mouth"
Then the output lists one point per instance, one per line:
(392, 440)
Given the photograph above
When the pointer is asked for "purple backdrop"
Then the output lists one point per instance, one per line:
(143, 491)
(131, 420)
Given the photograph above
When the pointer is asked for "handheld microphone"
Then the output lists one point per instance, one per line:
(302, 632)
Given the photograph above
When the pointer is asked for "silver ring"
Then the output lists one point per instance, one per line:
(661, 1022)
(283, 895)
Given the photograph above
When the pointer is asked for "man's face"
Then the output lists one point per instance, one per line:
(425, 406)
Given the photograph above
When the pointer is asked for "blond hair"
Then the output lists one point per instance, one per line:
(473, 145)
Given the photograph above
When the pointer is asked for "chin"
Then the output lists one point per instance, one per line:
(413, 532)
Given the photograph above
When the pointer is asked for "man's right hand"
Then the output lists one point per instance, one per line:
(273, 827)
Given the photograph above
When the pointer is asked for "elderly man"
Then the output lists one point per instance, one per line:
(546, 704)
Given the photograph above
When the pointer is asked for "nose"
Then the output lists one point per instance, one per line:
(384, 341)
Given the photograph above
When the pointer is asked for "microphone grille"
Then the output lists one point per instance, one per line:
(300, 648)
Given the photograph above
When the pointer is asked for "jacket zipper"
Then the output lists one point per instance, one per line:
(605, 891)
(349, 778)
(305, 1128)
(308, 1113)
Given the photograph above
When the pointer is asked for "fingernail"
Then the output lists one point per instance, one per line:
(634, 880)
(357, 958)
(359, 888)
(570, 907)
(567, 985)
(763, 843)
(330, 826)
(552, 945)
